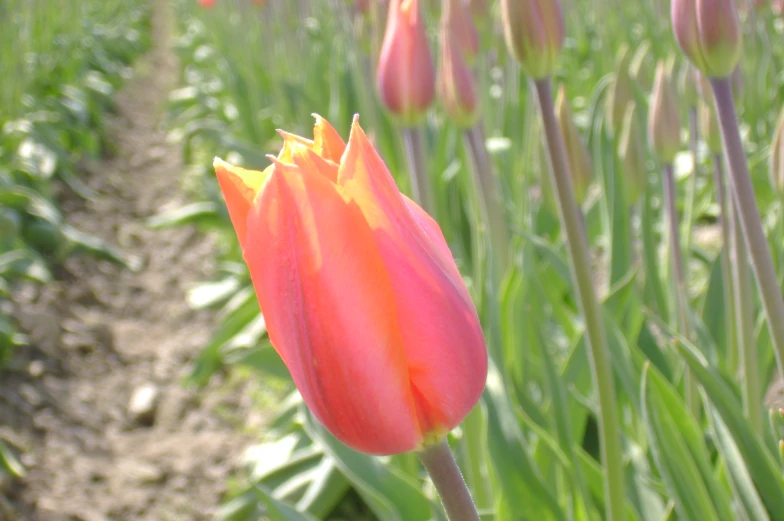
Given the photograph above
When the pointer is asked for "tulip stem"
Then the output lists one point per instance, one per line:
(679, 279)
(491, 200)
(577, 246)
(725, 222)
(415, 155)
(749, 216)
(442, 467)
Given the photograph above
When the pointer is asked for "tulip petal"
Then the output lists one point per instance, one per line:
(301, 152)
(292, 143)
(330, 310)
(326, 141)
(443, 340)
(239, 187)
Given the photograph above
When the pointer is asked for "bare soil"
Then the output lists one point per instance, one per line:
(96, 406)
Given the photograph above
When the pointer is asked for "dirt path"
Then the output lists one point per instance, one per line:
(108, 430)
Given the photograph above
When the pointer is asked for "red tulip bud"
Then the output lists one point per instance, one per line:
(406, 77)
(535, 33)
(664, 124)
(360, 293)
(709, 33)
(455, 83)
(207, 4)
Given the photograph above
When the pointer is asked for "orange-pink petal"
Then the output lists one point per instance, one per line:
(330, 310)
(443, 340)
(239, 187)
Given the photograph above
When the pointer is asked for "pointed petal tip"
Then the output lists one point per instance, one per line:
(219, 163)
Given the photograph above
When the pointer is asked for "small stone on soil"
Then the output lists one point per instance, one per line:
(143, 404)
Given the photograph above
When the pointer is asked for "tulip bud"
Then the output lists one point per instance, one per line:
(777, 422)
(639, 67)
(478, 8)
(737, 83)
(709, 127)
(781, 451)
(631, 151)
(576, 152)
(406, 76)
(459, 22)
(534, 31)
(777, 157)
(687, 85)
(778, 6)
(207, 4)
(664, 124)
(360, 293)
(455, 82)
(709, 33)
(621, 92)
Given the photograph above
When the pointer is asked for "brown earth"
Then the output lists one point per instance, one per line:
(104, 337)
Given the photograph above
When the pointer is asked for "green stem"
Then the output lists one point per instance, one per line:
(679, 279)
(442, 467)
(748, 211)
(691, 197)
(576, 243)
(491, 200)
(744, 318)
(725, 221)
(417, 170)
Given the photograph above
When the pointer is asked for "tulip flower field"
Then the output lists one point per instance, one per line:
(502, 260)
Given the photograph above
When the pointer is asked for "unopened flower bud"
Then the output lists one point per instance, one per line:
(576, 152)
(737, 83)
(455, 83)
(640, 68)
(406, 76)
(777, 158)
(777, 422)
(687, 85)
(621, 92)
(781, 451)
(631, 151)
(709, 127)
(460, 23)
(534, 31)
(709, 33)
(664, 124)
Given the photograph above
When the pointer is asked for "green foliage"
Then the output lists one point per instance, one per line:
(60, 64)
(531, 451)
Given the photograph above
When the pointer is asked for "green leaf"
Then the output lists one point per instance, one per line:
(279, 510)
(390, 495)
(204, 212)
(680, 453)
(522, 488)
(761, 462)
(739, 474)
